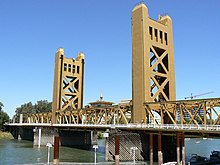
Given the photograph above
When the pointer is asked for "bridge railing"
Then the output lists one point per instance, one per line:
(171, 126)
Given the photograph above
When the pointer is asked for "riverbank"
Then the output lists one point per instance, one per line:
(5, 135)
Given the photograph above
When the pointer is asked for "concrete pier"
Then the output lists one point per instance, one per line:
(117, 149)
(178, 148)
(183, 150)
(56, 150)
(44, 135)
(160, 153)
(151, 149)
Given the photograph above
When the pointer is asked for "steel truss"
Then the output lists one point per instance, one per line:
(189, 112)
(201, 111)
(90, 115)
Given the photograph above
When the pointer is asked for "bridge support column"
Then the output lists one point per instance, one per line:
(20, 133)
(106, 148)
(39, 137)
(44, 135)
(183, 150)
(94, 137)
(56, 150)
(160, 153)
(178, 148)
(151, 149)
(117, 149)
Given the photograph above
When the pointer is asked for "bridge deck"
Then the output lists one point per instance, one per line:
(191, 130)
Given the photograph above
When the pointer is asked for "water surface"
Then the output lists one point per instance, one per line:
(23, 152)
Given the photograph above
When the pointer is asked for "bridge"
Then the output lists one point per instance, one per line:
(191, 130)
(152, 119)
(188, 112)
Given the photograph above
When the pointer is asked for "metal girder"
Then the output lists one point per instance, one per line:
(92, 115)
(38, 118)
(188, 112)
(201, 111)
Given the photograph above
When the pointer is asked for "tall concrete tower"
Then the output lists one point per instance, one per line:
(153, 76)
(68, 83)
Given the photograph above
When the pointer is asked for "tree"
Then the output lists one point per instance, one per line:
(3, 116)
(25, 109)
(1, 106)
(41, 106)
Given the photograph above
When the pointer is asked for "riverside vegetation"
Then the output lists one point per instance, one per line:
(39, 107)
(5, 135)
(4, 118)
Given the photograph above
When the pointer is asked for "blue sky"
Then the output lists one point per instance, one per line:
(32, 30)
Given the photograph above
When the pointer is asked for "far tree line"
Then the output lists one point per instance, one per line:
(41, 106)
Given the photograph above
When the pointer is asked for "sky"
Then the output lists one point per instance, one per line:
(32, 30)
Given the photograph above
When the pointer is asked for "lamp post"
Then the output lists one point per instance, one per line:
(95, 147)
(48, 153)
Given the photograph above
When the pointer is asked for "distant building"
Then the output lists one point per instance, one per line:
(187, 117)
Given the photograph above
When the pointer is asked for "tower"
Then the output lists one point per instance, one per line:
(153, 76)
(68, 83)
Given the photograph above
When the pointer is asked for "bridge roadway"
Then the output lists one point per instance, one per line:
(190, 130)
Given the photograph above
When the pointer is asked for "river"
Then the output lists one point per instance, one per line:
(201, 146)
(23, 152)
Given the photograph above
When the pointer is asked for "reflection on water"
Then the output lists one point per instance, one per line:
(23, 152)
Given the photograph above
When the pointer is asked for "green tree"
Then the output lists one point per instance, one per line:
(25, 109)
(41, 106)
(1, 106)
(3, 116)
